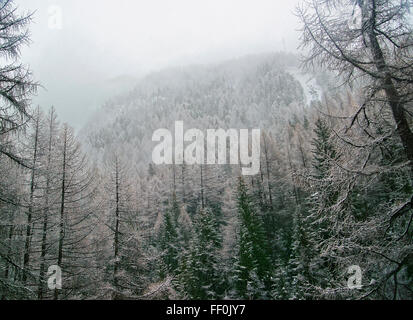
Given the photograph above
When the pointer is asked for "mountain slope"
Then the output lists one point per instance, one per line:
(259, 91)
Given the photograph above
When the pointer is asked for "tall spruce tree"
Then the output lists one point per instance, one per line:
(169, 243)
(323, 150)
(253, 267)
(200, 277)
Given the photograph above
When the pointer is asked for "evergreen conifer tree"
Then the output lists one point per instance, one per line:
(253, 267)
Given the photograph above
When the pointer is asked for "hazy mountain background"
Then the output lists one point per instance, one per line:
(76, 62)
(255, 91)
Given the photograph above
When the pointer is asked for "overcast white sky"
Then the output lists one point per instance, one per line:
(104, 39)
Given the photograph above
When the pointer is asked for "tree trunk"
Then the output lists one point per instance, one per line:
(393, 97)
(202, 188)
(183, 184)
(7, 267)
(45, 212)
(116, 241)
(267, 164)
(26, 258)
(62, 210)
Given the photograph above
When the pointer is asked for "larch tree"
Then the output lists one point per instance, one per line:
(47, 218)
(123, 227)
(378, 47)
(76, 210)
(16, 83)
(35, 149)
(368, 43)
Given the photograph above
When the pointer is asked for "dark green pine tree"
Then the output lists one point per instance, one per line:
(313, 230)
(169, 241)
(299, 275)
(253, 268)
(200, 278)
(323, 150)
(323, 153)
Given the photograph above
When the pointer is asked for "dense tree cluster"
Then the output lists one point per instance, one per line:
(334, 190)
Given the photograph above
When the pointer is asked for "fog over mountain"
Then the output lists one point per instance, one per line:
(255, 91)
(75, 63)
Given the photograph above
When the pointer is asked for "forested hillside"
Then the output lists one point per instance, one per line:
(333, 195)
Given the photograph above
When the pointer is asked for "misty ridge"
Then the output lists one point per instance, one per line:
(90, 214)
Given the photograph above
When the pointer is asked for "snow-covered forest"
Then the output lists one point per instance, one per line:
(334, 191)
